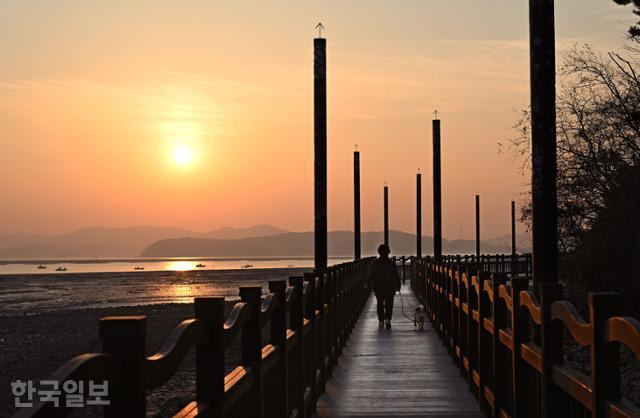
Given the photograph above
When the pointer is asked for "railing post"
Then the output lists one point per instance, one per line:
(435, 294)
(330, 318)
(449, 304)
(276, 392)
(551, 342)
(443, 305)
(605, 357)
(457, 319)
(500, 356)
(519, 333)
(472, 330)
(483, 312)
(421, 273)
(296, 381)
(311, 349)
(124, 338)
(321, 326)
(210, 355)
(438, 297)
(339, 310)
(335, 309)
(252, 347)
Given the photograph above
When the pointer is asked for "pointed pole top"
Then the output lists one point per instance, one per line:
(385, 184)
(435, 112)
(418, 170)
(356, 148)
(320, 28)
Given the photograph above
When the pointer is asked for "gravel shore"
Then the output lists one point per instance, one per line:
(32, 347)
(579, 358)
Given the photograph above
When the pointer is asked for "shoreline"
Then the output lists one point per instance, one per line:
(29, 295)
(118, 274)
(156, 259)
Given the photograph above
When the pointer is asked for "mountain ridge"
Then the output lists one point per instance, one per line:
(301, 244)
(103, 242)
(98, 241)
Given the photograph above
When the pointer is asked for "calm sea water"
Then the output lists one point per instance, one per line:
(150, 264)
(27, 290)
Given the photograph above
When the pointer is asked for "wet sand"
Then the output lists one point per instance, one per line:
(30, 294)
(45, 320)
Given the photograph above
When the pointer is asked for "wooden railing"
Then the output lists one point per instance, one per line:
(509, 347)
(516, 264)
(309, 322)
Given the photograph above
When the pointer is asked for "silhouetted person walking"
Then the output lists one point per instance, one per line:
(386, 281)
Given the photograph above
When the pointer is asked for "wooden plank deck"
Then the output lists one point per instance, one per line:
(396, 373)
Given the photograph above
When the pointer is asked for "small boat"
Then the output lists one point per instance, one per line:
(61, 269)
(200, 265)
(42, 267)
(247, 266)
(138, 268)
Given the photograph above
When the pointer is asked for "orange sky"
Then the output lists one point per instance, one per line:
(95, 95)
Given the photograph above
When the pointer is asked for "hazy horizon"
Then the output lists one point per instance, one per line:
(260, 241)
(200, 113)
(519, 232)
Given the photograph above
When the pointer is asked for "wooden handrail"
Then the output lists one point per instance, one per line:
(625, 330)
(465, 281)
(577, 385)
(161, 366)
(290, 297)
(577, 327)
(238, 316)
(94, 366)
(505, 294)
(475, 283)
(486, 325)
(306, 289)
(529, 301)
(488, 289)
(269, 304)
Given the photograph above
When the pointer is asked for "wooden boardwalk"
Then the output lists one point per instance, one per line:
(396, 373)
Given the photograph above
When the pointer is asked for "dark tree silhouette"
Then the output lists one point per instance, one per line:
(598, 149)
(634, 31)
(598, 134)
(607, 257)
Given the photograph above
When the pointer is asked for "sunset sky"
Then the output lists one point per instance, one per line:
(198, 114)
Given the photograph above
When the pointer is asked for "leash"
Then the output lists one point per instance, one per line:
(402, 307)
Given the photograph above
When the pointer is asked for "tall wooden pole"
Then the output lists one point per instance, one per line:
(437, 194)
(478, 225)
(543, 141)
(419, 215)
(356, 205)
(386, 215)
(320, 151)
(513, 228)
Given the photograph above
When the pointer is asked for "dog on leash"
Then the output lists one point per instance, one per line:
(419, 317)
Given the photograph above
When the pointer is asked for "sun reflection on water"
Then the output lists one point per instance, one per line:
(180, 265)
(182, 291)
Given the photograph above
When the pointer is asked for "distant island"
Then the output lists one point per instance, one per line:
(111, 242)
(255, 241)
(301, 244)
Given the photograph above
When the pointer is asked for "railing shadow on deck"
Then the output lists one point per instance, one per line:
(310, 320)
(509, 346)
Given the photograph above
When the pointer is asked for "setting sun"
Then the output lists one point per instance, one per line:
(183, 154)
